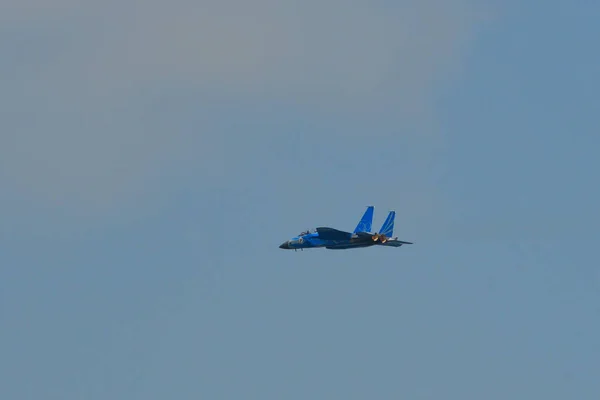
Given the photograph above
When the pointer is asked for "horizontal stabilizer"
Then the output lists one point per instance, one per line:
(394, 243)
(333, 234)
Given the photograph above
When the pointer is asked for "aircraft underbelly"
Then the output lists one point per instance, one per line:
(350, 245)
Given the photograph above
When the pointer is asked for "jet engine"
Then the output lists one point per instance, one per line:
(380, 237)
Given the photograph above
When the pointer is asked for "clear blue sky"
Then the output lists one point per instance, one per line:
(154, 156)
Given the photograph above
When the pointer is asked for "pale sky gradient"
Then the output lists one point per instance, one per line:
(153, 156)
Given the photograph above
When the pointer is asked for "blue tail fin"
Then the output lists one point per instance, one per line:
(366, 221)
(387, 228)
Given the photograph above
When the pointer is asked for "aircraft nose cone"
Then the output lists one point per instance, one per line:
(284, 245)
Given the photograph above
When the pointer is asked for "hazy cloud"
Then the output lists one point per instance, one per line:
(82, 77)
(316, 49)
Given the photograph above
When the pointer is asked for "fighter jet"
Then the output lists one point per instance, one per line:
(334, 239)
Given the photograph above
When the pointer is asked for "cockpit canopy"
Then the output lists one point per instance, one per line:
(307, 232)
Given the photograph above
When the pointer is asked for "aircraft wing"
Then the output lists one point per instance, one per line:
(363, 234)
(333, 234)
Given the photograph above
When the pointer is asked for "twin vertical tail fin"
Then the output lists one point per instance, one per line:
(366, 221)
(387, 228)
